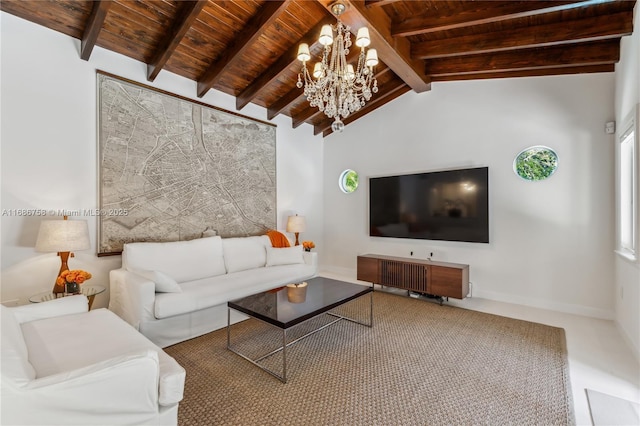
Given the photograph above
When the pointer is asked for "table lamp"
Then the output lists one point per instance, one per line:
(65, 237)
(296, 224)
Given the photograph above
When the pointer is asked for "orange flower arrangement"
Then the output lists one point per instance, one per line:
(77, 276)
(308, 245)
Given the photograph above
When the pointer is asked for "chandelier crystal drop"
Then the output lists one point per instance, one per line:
(335, 87)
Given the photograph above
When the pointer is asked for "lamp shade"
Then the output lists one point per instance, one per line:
(326, 35)
(363, 39)
(317, 70)
(303, 52)
(63, 236)
(296, 224)
(372, 58)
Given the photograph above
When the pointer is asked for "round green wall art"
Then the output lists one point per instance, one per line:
(348, 181)
(535, 163)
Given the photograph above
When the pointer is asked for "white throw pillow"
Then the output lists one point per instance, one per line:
(164, 283)
(284, 256)
(242, 253)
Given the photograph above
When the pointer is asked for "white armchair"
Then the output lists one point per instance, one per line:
(64, 365)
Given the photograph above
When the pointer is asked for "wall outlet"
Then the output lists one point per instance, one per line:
(11, 303)
(621, 293)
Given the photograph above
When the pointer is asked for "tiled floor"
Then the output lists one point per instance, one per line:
(599, 358)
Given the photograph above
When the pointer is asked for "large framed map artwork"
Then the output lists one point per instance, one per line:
(171, 168)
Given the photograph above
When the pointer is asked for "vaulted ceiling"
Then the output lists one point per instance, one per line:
(247, 48)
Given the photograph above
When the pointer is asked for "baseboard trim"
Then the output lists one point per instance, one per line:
(348, 274)
(567, 308)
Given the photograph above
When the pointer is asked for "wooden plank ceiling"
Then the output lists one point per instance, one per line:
(247, 48)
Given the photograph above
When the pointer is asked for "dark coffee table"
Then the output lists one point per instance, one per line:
(276, 309)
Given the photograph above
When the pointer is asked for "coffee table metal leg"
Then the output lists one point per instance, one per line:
(371, 308)
(342, 317)
(228, 328)
(284, 355)
(283, 377)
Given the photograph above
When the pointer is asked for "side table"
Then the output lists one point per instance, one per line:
(88, 290)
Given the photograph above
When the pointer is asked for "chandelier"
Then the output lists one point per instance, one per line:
(337, 88)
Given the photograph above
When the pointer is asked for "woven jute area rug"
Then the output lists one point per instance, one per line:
(420, 364)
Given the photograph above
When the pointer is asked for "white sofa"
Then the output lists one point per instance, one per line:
(175, 291)
(62, 365)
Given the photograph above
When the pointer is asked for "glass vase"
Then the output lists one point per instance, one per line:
(72, 288)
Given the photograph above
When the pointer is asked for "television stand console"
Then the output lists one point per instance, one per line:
(440, 279)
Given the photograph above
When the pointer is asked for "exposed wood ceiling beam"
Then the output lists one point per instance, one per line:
(391, 92)
(594, 53)
(264, 18)
(281, 104)
(183, 21)
(396, 53)
(94, 25)
(224, 45)
(588, 69)
(431, 22)
(377, 3)
(596, 28)
(310, 113)
(280, 66)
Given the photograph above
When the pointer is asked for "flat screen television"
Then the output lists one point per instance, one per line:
(450, 205)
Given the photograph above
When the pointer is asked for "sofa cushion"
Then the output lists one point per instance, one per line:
(244, 253)
(214, 291)
(164, 283)
(15, 357)
(181, 260)
(62, 344)
(284, 256)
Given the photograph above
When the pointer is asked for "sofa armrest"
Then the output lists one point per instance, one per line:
(113, 391)
(311, 258)
(54, 308)
(132, 296)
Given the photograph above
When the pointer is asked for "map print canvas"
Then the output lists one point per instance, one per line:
(171, 168)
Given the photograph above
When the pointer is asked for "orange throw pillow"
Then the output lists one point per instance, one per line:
(278, 239)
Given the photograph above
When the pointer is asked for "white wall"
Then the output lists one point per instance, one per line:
(551, 241)
(627, 272)
(48, 149)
